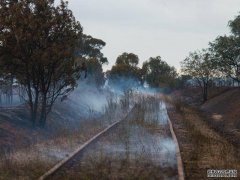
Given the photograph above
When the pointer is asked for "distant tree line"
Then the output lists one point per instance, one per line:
(220, 60)
(154, 71)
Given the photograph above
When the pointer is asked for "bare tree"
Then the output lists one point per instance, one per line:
(199, 66)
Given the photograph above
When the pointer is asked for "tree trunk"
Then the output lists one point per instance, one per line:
(43, 111)
(35, 105)
(33, 110)
(32, 115)
(11, 89)
(205, 92)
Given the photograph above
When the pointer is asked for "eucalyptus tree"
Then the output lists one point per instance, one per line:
(91, 59)
(157, 73)
(38, 41)
(226, 50)
(125, 72)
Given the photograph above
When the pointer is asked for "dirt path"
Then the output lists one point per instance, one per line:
(201, 147)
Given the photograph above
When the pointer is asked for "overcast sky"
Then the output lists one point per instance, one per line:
(148, 28)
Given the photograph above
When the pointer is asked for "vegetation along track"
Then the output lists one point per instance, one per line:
(81, 149)
(69, 161)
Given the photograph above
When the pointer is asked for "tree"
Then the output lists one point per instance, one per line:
(95, 73)
(235, 26)
(90, 58)
(157, 73)
(125, 69)
(38, 42)
(128, 59)
(91, 48)
(200, 67)
(226, 50)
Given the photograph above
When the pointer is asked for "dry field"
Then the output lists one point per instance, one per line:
(31, 152)
(139, 148)
(202, 146)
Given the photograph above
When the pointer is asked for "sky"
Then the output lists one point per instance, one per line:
(150, 28)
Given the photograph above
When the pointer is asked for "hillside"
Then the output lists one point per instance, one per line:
(27, 152)
(208, 133)
(81, 105)
(223, 113)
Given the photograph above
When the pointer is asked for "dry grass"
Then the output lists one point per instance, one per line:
(136, 158)
(222, 114)
(202, 148)
(110, 168)
(32, 160)
(212, 150)
(133, 150)
(176, 101)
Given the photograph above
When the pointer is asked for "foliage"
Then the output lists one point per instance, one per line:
(38, 42)
(90, 47)
(157, 73)
(128, 59)
(226, 50)
(126, 68)
(90, 59)
(199, 66)
(95, 73)
(235, 26)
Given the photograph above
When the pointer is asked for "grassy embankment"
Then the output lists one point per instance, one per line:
(39, 149)
(204, 144)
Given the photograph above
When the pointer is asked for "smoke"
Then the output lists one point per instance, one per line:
(88, 100)
(142, 140)
(9, 98)
(120, 84)
(162, 114)
(85, 102)
(89, 96)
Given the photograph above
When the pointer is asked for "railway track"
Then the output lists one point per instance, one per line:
(178, 154)
(68, 161)
(82, 148)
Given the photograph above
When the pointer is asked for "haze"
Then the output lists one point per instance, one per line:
(169, 28)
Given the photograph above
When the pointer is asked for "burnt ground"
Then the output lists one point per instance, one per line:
(221, 111)
(16, 128)
(135, 149)
(27, 152)
(223, 114)
(208, 133)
